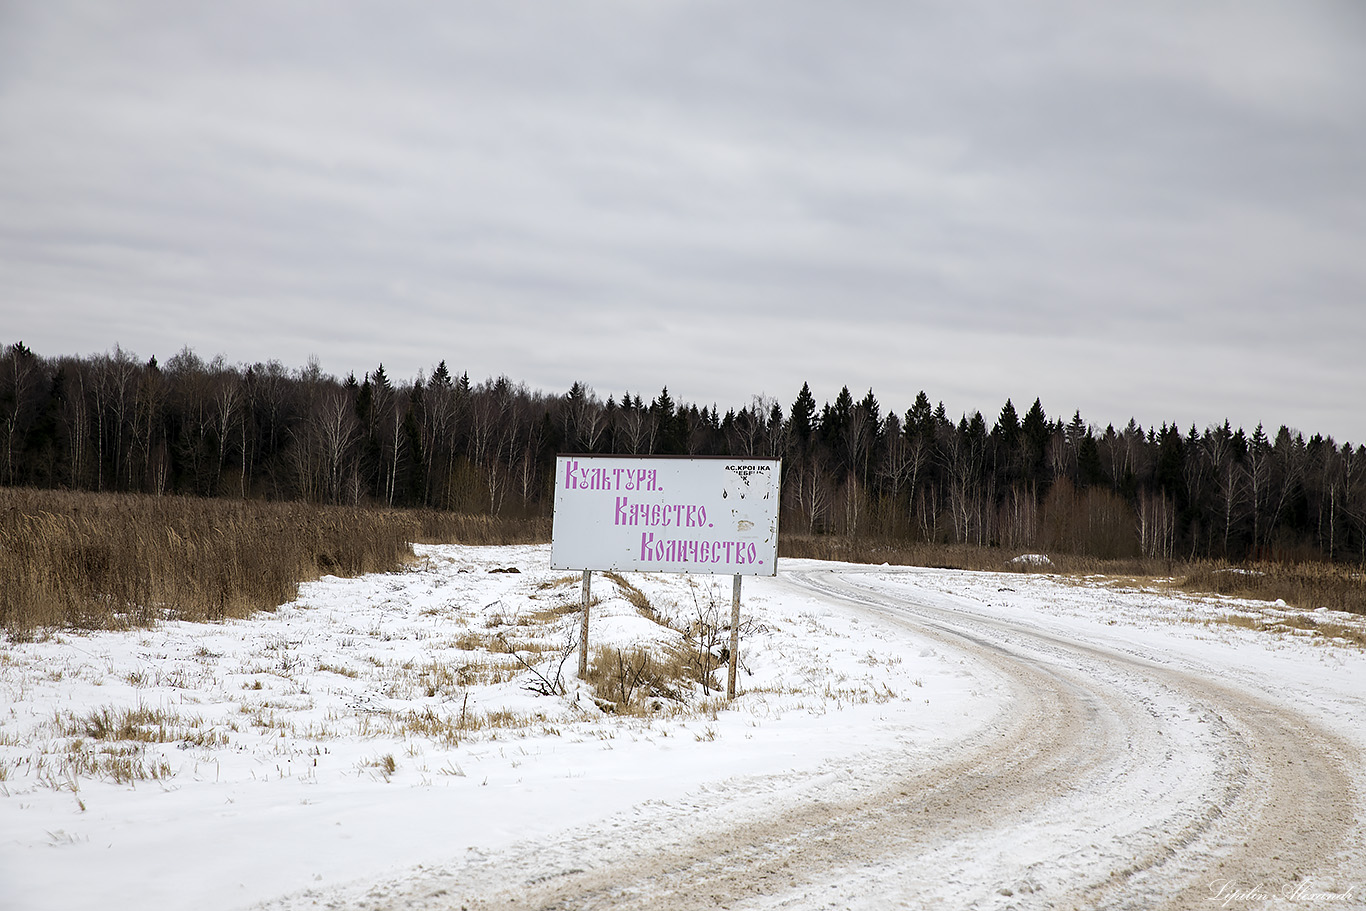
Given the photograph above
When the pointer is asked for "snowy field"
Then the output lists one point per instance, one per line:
(382, 729)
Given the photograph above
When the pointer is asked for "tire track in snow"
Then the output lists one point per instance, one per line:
(1107, 782)
(1279, 812)
(875, 812)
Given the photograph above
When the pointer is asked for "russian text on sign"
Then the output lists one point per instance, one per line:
(666, 515)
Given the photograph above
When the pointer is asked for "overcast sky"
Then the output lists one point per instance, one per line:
(1153, 210)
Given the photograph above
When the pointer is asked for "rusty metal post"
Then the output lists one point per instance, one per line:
(734, 637)
(583, 632)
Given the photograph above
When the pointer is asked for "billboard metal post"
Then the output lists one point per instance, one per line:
(583, 632)
(734, 637)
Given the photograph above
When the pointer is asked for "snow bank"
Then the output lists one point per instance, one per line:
(323, 743)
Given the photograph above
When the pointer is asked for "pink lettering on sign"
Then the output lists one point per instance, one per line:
(579, 477)
(659, 515)
(669, 550)
(665, 515)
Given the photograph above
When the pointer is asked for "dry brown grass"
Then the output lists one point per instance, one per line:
(450, 728)
(137, 724)
(1303, 585)
(642, 681)
(102, 561)
(115, 560)
(437, 527)
(951, 556)
(897, 553)
(1293, 624)
(636, 597)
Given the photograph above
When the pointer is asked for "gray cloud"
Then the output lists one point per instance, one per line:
(1151, 210)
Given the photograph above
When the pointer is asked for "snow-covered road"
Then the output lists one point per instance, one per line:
(905, 738)
(1121, 778)
(1107, 779)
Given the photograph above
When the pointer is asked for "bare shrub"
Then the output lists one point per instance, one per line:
(549, 681)
(633, 681)
(707, 638)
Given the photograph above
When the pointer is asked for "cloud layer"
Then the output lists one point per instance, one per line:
(1153, 211)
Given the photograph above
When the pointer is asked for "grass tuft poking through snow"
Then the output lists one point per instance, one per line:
(394, 718)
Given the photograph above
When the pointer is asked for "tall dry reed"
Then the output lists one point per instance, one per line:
(1306, 585)
(438, 527)
(115, 560)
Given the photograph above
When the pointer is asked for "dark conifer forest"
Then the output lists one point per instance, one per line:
(1022, 478)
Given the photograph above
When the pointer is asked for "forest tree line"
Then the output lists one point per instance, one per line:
(113, 422)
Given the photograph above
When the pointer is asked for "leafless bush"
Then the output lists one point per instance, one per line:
(633, 681)
(707, 637)
(548, 682)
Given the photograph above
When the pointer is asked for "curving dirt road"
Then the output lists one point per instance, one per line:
(1108, 781)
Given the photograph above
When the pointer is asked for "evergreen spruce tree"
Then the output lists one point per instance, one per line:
(1036, 431)
(1076, 429)
(920, 418)
(670, 437)
(1007, 425)
(1171, 460)
(872, 411)
(802, 422)
(1090, 470)
(835, 418)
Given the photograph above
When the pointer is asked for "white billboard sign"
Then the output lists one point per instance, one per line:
(673, 515)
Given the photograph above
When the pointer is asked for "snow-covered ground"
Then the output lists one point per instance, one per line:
(386, 722)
